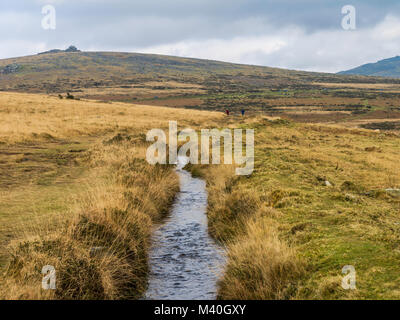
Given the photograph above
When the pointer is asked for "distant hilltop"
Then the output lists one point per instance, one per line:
(69, 49)
(383, 68)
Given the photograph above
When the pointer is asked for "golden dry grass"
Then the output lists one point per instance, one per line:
(29, 117)
(261, 266)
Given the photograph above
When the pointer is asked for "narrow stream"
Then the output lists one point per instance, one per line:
(185, 261)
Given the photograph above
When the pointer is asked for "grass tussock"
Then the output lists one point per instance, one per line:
(261, 266)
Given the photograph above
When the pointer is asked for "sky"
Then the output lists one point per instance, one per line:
(293, 34)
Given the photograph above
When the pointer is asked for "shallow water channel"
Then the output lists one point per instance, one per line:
(185, 261)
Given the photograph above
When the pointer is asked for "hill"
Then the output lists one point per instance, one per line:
(383, 68)
(57, 71)
(150, 79)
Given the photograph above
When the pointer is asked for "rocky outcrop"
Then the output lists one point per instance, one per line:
(72, 49)
(69, 49)
(11, 68)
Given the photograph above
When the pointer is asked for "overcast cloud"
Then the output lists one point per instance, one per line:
(295, 34)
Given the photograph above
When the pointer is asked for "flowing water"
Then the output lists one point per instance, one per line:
(185, 261)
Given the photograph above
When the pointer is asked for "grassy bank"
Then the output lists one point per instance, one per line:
(100, 252)
(317, 201)
(260, 264)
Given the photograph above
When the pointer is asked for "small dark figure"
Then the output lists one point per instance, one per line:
(243, 111)
(227, 112)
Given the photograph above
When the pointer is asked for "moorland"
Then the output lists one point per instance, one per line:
(77, 193)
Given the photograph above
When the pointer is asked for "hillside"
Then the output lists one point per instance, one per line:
(58, 71)
(383, 68)
(158, 80)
